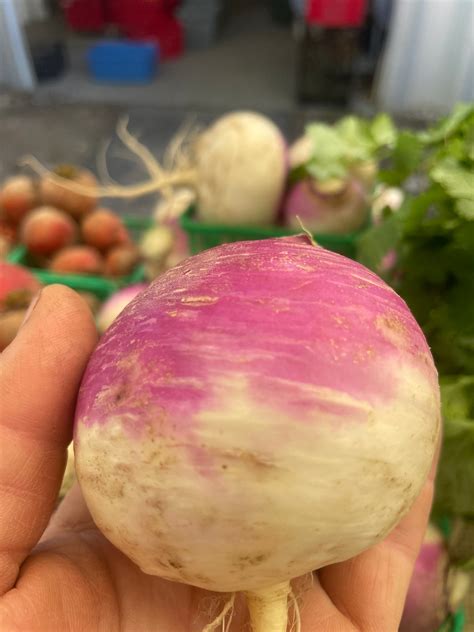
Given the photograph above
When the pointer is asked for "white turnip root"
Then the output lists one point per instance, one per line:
(237, 169)
(262, 410)
(337, 213)
(172, 207)
(69, 474)
(435, 590)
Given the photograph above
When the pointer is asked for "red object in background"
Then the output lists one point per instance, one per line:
(150, 20)
(336, 13)
(84, 15)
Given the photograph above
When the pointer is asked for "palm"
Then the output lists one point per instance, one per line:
(75, 580)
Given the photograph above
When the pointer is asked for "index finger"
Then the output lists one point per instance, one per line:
(40, 374)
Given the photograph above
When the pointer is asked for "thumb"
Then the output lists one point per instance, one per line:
(40, 374)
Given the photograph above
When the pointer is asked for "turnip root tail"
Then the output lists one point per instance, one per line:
(269, 608)
(125, 191)
(223, 621)
(178, 173)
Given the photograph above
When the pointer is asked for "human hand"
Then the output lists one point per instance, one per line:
(59, 574)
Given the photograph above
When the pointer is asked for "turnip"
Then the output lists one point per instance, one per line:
(237, 169)
(435, 589)
(262, 410)
(336, 213)
(163, 247)
(156, 246)
(241, 170)
(174, 205)
(116, 303)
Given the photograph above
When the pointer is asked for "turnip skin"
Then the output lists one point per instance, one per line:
(261, 410)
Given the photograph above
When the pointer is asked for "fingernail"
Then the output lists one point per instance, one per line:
(31, 307)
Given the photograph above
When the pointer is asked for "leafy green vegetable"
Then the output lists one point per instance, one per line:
(448, 126)
(352, 141)
(383, 130)
(405, 159)
(457, 181)
(433, 235)
(455, 481)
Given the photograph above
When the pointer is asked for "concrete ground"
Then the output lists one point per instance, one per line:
(252, 64)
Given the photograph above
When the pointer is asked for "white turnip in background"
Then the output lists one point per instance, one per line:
(237, 169)
(263, 409)
(241, 168)
(339, 213)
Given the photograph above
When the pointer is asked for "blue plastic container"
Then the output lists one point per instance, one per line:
(119, 61)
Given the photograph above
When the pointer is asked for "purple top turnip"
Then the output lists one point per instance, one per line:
(262, 410)
(339, 213)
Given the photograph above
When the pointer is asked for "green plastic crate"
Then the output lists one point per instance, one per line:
(97, 285)
(203, 236)
(455, 623)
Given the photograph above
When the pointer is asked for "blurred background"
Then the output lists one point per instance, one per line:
(374, 101)
(288, 58)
